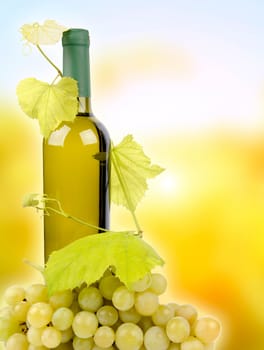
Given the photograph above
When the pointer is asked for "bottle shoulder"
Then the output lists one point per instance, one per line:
(84, 130)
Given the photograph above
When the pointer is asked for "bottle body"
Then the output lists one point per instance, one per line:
(75, 177)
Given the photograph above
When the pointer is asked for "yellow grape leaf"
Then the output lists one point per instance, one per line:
(47, 34)
(50, 104)
(86, 260)
(129, 173)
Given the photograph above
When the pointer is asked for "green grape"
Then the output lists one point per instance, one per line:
(90, 299)
(162, 315)
(62, 318)
(107, 315)
(95, 347)
(20, 311)
(156, 338)
(51, 337)
(130, 315)
(129, 337)
(142, 284)
(66, 335)
(206, 329)
(82, 344)
(34, 336)
(61, 299)
(14, 295)
(85, 324)
(39, 314)
(123, 299)
(174, 346)
(64, 346)
(104, 337)
(158, 283)
(145, 323)
(75, 307)
(8, 326)
(174, 307)
(17, 341)
(178, 329)
(146, 303)
(192, 344)
(108, 285)
(187, 311)
(36, 293)
(33, 347)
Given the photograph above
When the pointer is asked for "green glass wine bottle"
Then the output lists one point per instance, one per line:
(72, 173)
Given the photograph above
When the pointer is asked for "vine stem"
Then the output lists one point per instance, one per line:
(61, 212)
(49, 60)
(126, 193)
(68, 216)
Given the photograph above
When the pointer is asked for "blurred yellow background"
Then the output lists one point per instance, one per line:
(186, 79)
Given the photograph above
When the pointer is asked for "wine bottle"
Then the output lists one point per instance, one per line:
(75, 158)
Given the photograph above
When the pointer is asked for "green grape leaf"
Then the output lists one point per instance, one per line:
(86, 260)
(129, 173)
(49, 103)
(48, 33)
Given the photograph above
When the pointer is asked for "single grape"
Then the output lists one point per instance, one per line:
(85, 324)
(206, 329)
(39, 314)
(82, 344)
(62, 318)
(129, 337)
(187, 311)
(34, 336)
(66, 335)
(162, 315)
(108, 285)
(174, 346)
(178, 329)
(75, 307)
(33, 347)
(123, 299)
(145, 323)
(95, 347)
(61, 299)
(90, 299)
(17, 341)
(192, 344)
(107, 315)
(158, 283)
(51, 337)
(36, 293)
(64, 346)
(14, 294)
(20, 311)
(142, 284)
(156, 338)
(146, 303)
(8, 326)
(104, 337)
(130, 315)
(174, 307)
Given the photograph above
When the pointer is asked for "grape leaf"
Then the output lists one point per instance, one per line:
(86, 259)
(49, 103)
(129, 173)
(47, 34)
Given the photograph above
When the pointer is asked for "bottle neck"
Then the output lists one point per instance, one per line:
(76, 59)
(84, 106)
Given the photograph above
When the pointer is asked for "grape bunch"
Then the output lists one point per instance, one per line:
(105, 315)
